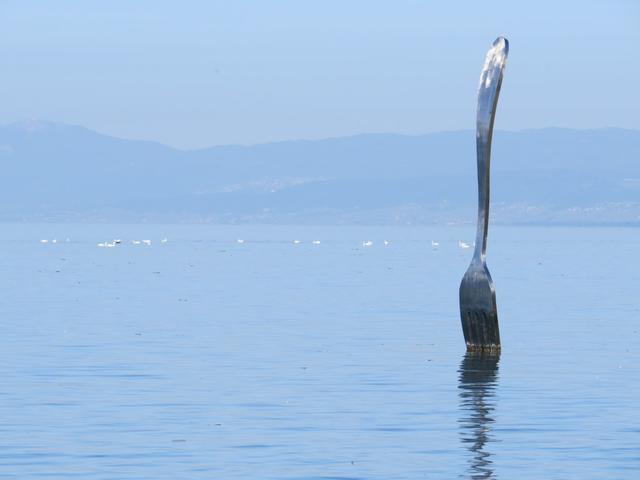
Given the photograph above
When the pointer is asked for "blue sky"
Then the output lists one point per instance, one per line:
(200, 73)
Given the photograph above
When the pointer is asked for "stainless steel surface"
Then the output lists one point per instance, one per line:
(478, 309)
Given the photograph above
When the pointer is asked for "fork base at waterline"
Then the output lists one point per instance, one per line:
(481, 332)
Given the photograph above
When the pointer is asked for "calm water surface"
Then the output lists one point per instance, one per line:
(206, 358)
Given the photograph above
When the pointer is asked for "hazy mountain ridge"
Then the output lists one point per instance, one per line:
(67, 173)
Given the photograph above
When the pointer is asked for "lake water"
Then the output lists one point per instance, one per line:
(206, 358)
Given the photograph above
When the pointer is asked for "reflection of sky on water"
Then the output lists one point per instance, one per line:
(478, 377)
(205, 358)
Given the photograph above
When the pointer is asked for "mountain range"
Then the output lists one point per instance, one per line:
(57, 172)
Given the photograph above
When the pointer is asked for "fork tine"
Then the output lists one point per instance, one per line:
(481, 332)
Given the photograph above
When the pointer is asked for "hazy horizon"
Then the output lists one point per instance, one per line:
(57, 172)
(36, 123)
(201, 73)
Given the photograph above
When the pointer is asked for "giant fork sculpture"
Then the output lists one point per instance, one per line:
(478, 309)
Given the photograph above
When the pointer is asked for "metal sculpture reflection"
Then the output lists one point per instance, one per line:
(478, 378)
(478, 309)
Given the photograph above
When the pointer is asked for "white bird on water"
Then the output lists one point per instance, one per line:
(462, 244)
(136, 242)
(146, 242)
(387, 242)
(240, 240)
(367, 243)
(164, 240)
(316, 242)
(434, 243)
(296, 242)
(44, 241)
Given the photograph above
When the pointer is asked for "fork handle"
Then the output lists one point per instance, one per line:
(488, 92)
